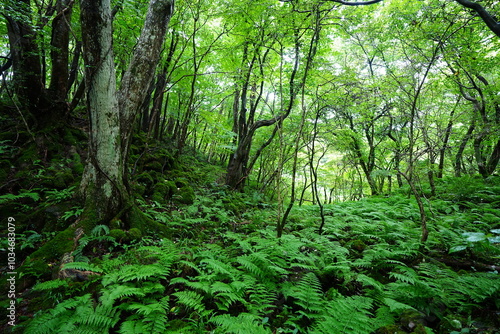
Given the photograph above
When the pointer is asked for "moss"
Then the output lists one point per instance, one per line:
(146, 225)
(358, 245)
(118, 234)
(62, 180)
(55, 248)
(69, 137)
(33, 269)
(412, 320)
(154, 165)
(181, 182)
(138, 189)
(147, 180)
(76, 164)
(158, 197)
(115, 223)
(28, 156)
(134, 234)
(186, 195)
(390, 329)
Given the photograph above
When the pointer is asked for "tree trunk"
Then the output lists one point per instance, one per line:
(25, 54)
(112, 114)
(59, 55)
(102, 185)
(47, 107)
(461, 149)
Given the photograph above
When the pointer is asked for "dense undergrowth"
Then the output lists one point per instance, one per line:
(222, 270)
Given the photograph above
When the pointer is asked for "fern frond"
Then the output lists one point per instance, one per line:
(130, 273)
(191, 299)
(83, 266)
(204, 286)
(244, 323)
(51, 285)
(219, 267)
(405, 274)
(346, 315)
(261, 299)
(76, 315)
(120, 291)
(308, 294)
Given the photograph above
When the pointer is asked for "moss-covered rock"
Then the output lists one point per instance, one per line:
(54, 249)
(412, 320)
(118, 234)
(147, 180)
(390, 329)
(154, 165)
(185, 195)
(116, 223)
(138, 220)
(134, 234)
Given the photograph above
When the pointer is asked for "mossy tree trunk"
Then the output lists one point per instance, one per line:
(102, 184)
(112, 113)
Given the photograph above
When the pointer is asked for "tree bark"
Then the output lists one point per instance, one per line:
(25, 55)
(112, 113)
(47, 106)
(102, 185)
(142, 68)
(489, 19)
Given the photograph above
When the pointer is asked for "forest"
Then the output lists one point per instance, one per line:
(246, 167)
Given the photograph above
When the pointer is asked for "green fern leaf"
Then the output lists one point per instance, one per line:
(308, 294)
(244, 323)
(191, 299)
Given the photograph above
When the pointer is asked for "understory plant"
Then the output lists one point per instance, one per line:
(367, 273)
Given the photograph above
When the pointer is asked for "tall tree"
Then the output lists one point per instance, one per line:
(112, 113)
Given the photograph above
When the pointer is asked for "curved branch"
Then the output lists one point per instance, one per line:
(348, 3)
(485, 16)
(356, 3)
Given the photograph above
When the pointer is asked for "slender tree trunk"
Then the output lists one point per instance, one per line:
(142, 68)
(461, 149)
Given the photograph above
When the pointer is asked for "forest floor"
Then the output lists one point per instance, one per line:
(223, 270)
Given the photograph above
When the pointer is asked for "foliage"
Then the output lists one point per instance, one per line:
(362, 275)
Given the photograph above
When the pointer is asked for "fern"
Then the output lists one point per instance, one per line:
(191, 300)
(82, 266)
(130, 273)
(227, 294)
(349, 315)
(219, 268)
(51, 285)
(148, 317)
(75, 315)
(307, 294)
(262, 300)
(244, 323)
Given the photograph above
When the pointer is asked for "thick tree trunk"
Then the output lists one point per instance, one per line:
(102, 183)
(113, 113)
